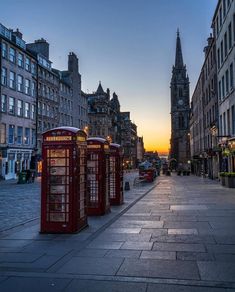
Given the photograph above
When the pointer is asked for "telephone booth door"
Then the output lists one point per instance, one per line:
(97, 176)
(116, 174)
(63, 181)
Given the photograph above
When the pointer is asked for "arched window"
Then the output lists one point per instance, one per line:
(181, 122)
(180, 92)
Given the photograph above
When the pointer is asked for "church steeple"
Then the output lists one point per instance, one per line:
(178, 54)
(180, 109)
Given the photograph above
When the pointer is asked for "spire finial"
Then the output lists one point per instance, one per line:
(178, 32)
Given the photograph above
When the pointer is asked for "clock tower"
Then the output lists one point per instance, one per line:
(180, 109)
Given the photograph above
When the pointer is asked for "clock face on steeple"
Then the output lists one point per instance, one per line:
(180, 102)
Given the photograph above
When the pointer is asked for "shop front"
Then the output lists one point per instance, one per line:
(13, 161)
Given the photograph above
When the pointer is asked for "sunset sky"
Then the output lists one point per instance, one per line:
(129, 45)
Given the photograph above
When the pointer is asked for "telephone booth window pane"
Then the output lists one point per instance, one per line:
(82, 180)
(58, 185)
(107, 180)
(112, 177)
(92, 178)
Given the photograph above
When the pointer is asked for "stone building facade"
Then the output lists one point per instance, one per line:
(180, 110)
(223, 25)
(18, 104)
(107, 121)
(48, 91)
(99, 114)
(204, 117)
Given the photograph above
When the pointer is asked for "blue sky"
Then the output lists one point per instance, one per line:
(127, 44)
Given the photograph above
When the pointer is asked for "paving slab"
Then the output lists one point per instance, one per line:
(20, 257)
(159, 268)
(122, 253)
(123, 237)
(102, 286)
(158, 255)
(184, 288)
(169, 246)
(27, 284)
(195, 256)
(188, 207)
(138, 223)
(185, 231)
(89, 266)
(122, 230)
(105, 245)
(175, 238)
(217, 271)
(221, 248)
(91, 252)
(137, 245)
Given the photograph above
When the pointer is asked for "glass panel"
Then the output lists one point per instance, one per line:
(58, 185)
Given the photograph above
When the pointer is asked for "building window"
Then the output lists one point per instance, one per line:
(2, 133)
(226, 82)
(234, 27)
(224, 120)
(19, 135)
(33, 88)
(181, 122)
(33, 112)
(231, 75)
(11, 105)
(220, 16)
(26, 110)
(220, 90)
(12, 80)
(233, 120)
(4, 76)
(20, 60)
(222, 52)
(33, 68)
(218, 57)
(27, 136)
(12, 55)
(3, 103)
(225, 45)
(223, 89)
(33, 137)
(4, 50)
(20, 108)
(220, 126)
(20, 83)
(11, 134)
(228, 122)
(217, 26)
(224, 8)
(27, 86)
(27, 64)
(230, 36)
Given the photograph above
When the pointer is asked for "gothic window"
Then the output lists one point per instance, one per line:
(180, 92)
(181, 121)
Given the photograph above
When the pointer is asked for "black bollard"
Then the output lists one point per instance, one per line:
(127, 186)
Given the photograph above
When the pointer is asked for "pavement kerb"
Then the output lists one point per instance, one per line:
(130, 279)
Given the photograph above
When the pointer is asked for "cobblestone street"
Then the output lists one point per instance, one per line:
(19, 203)
(176, 235)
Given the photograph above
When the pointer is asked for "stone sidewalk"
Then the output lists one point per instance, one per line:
(179, 236)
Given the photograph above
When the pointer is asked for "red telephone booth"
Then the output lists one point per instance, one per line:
(97, 176)
(116, 174)
(63, 180)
